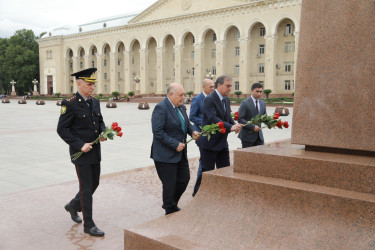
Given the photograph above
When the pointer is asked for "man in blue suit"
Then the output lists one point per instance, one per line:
(170, 126)
(216, 108)
(196, 116)
(252, 135)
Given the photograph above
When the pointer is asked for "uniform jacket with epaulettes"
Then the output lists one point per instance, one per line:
(78, 124)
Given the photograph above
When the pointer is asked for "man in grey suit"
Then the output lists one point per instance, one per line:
(170, 126)
(252, 135)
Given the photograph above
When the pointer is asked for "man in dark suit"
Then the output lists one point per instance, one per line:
(80, 123)
(216, 108)
(170, 126)
(196, 116)
(252, 135)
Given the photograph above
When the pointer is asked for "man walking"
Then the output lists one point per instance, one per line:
(216, 108)
(80, 123)
(170, 126)
(252, 135)
(196, 116)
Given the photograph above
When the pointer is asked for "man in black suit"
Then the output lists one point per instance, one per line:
(170, 126)
(252, 135)
(216, 108)
(80, 123)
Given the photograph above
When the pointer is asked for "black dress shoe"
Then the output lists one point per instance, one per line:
(94, 231)
(73, 213)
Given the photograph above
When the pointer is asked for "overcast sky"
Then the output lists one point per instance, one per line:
(45, 15)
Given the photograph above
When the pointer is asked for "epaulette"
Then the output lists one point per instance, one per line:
(71, 98)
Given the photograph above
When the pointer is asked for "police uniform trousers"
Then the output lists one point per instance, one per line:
(88, 177)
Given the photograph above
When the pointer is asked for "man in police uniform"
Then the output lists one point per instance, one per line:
(80, 123)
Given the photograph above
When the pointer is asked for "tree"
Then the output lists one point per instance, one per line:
(190, 93)
(238, 93)
(267, 92)
(116, 94)
(131, 93)
(19, 60)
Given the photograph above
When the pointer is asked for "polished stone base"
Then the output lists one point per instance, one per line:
(245, 210)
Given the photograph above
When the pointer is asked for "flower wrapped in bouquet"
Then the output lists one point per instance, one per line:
(109, 133)
(269, 121)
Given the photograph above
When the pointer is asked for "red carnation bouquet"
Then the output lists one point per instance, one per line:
(212, 129)
(109, 133)
(235, 115)
(269, 121)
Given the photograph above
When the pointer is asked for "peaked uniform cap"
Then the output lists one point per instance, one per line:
(87, 75)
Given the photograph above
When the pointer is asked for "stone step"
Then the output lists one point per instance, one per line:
(292, 162)
(243, 211)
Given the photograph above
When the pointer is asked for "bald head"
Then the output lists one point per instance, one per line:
(208, 86)
(176, 94)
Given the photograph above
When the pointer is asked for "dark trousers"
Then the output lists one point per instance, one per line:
(209, 158)
(88, 177)
(175, 178)
(246, 144)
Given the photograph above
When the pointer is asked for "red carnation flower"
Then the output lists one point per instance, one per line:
(120, 134)
(279, 124)
(220, 124)
(286, 124)
(118, 129)
(276, 116)
(236, 116)
(223, 130)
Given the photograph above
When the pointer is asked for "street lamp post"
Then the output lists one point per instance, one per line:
(137, 79)
(35, 82)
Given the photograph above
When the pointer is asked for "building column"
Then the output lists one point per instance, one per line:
(270, 66)
(65, 88)
(220, 51)
(244, 65)
(99, 74)
(128, 80)
(161, 86)
(112, 70)
(198, 66)
(144, 84)
(178, 53)
(75, 61)
(87, 62)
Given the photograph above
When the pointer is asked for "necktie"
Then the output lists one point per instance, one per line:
(181, 119)
(222, 102)
(89, 103)
(256, 107)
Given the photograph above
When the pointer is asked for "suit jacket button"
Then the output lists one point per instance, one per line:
(93, 122)
(96, 131)
(84, 115)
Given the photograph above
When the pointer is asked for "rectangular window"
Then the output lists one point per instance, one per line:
(287, 85)
(237, 69)
(92, 52)
(105, 63)
(118, 61)
(213, 53)
(105, 50)
(261, 67)
(80, 53)
(105, 76)
(261, 49)
(92, 64)
(193, 40)
(288, 67)
(237, 86)
(293, 84)
(214, 70)
(71, 66)
(262, 31)
(213, 37)
(237, 35)
(288, 47)
(80, 65)
(71, 89)
(193, 71)
(118, 75)
(288, 29)
(192, 54)
(236, 51)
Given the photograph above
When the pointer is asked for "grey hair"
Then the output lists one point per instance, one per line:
(221, 79)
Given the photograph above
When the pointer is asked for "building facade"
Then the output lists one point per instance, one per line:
(178, 41)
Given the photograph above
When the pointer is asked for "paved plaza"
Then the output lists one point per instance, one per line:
(37, 178)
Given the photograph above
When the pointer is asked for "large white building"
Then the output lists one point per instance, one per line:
(178, 41)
